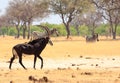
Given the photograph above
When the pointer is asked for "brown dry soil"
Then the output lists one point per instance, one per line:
(67, 61)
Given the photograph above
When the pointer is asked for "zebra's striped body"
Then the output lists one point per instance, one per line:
(37, 34)
(92, 38)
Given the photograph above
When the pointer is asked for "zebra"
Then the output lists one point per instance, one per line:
(37, 34)
(92, 38)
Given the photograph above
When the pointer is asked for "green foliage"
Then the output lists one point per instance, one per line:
(73, 31)
(118, 30)
(36, 28)
(3, 30)
(83, 30)
(101, 30)
(59, 27)
(12, 31)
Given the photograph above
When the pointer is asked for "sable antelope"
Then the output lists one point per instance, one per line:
(34, 47)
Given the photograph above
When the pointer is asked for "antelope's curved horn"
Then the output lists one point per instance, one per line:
(47, 29)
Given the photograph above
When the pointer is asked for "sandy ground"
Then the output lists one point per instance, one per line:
(68, 61)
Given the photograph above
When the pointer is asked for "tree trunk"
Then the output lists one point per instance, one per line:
(93, 30)
(114, 35)
(66, 24)
(28, 36)
(3, 34)
(7, 30)
(110, 32)
(18, 35)
(68, 31)
(24, 35)
(18, 31)
(77, 29)
(113, 30)
(24, 30)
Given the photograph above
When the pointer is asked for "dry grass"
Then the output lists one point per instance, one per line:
(62, 47)
(104, 51)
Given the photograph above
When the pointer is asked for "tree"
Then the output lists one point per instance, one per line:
(5, 21)
(110, 10)
(68, 9)
(32, 10)
(93, 19)
(77, 22)
(14, 12)
(23, 12)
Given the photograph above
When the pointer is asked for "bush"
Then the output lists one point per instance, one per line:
(84, 30)
(118, 31)
(12, 31)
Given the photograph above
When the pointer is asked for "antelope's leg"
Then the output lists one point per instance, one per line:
(41, 61)
(20, 61)
(11, 61)
(35, 58)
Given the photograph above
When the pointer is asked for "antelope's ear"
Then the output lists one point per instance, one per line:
(50, 42)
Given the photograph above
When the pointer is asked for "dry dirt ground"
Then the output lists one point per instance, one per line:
(67, 61)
